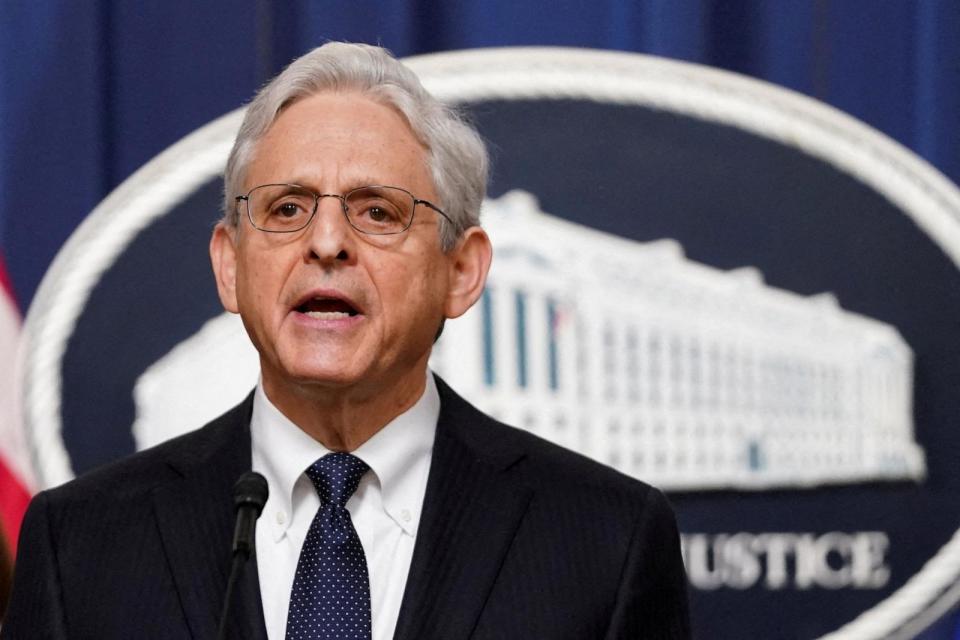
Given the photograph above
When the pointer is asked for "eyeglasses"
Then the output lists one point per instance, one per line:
(375, 210)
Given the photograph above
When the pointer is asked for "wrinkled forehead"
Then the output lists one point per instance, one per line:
(380, 96)
(344, 137)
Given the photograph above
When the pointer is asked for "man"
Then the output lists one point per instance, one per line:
(395, 509)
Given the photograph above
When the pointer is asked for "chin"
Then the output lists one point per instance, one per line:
(323, 376)
(322, 361)
(292, 369)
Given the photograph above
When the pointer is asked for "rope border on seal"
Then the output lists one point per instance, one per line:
(910, 183)
(92, 248)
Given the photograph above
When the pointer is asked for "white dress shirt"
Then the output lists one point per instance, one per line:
(385, 508)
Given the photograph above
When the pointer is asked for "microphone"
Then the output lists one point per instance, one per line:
(249, 495)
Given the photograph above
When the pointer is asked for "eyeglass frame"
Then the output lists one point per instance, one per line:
(343, 207)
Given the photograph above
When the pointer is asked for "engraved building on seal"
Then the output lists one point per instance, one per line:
(674, 371)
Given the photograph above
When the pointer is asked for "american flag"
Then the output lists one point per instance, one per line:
(16, 477)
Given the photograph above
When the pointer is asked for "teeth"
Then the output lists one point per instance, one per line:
(328, 315)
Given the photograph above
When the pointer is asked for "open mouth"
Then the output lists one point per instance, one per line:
(327, 309)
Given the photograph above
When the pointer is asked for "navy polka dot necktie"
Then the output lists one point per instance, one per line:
(331, 589)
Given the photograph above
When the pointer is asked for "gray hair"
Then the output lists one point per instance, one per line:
(456, 155)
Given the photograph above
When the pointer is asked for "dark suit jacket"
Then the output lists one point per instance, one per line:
(518, 539)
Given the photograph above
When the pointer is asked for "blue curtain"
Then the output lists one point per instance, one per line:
(91, 91)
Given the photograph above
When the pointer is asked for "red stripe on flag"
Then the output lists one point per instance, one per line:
(6, 284)
(14, 498)
(14, 494)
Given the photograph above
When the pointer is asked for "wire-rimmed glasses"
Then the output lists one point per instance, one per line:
(375, 210)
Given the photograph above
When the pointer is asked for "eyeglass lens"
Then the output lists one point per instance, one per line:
(375, 210)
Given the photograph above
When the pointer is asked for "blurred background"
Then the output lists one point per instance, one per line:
(89, 92)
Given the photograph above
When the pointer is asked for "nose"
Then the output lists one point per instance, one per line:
(329, 238)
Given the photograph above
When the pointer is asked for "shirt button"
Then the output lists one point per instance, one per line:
(281, 517)
(405, 515)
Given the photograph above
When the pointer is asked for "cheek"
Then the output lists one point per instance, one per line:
(256, 286)
(423, 292)
(397, 289)
(405, 294)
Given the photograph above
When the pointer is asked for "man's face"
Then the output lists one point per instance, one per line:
(328, 305)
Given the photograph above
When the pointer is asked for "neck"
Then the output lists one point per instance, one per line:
(342, 419)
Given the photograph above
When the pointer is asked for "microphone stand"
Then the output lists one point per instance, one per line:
(249, 495)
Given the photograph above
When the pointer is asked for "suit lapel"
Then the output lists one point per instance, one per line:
(471, 514)
(195, 516)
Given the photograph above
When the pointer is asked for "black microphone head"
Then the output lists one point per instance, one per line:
(250, 491)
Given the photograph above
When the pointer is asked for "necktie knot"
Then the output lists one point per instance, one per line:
(336, 476)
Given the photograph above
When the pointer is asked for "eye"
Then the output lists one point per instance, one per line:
(374, 211)
(379, 213)
(287, 212)
(288, 209)
(280, 207)
(379, 210)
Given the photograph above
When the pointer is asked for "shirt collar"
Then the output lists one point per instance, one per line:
(399, 456)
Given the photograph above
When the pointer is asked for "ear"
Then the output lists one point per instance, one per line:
(223, 255)
(469, 264)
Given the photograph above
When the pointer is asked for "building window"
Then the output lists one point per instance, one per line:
(486, 310)
(714, 377)
(653, 370)
(583, 362)
(552, 356)
(676, 371)
(754, 456)
(633, 365)
(609, 362)
(696, 373)
(520, 303)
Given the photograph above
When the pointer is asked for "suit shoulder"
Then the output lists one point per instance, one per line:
(559, 464)
(550, 465)
(140, 472)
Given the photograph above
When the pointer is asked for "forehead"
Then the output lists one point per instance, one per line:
(339, 138)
